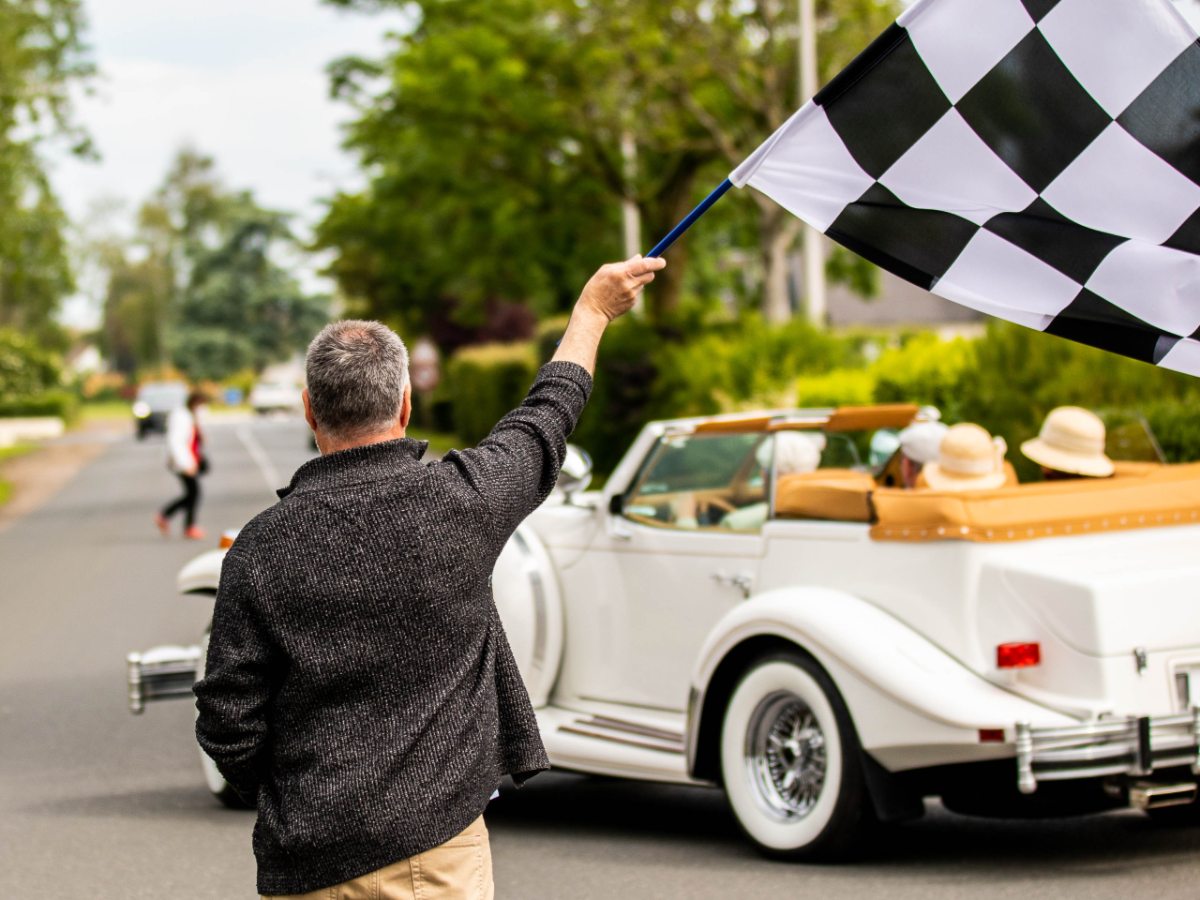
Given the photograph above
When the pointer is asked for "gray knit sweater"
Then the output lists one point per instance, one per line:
(359, 684)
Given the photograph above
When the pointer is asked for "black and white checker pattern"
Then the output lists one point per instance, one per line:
(1038, 160)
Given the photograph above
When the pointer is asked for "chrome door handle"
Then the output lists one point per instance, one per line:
(740, 580)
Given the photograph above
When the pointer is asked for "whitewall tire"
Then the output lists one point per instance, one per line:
(791, 763)
(212, 777)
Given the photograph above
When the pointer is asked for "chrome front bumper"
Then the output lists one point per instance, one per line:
(1137, 745)
(164, 673)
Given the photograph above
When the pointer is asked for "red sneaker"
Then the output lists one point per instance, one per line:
(195, 533)
(164, 527)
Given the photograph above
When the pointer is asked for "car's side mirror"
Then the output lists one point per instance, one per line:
(576, 472)
(616, 504)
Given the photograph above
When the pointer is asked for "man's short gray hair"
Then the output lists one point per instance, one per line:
(356, 372)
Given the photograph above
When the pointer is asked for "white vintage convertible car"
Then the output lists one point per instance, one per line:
(830, 651)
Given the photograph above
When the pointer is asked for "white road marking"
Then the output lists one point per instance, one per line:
(259, 455)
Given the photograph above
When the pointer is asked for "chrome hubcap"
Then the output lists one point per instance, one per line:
(785, 756)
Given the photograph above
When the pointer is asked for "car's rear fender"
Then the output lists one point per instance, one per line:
(913, 704)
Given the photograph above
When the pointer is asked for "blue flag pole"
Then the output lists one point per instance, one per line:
(691, 217)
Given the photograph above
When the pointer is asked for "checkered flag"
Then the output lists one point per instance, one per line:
(1037, 160)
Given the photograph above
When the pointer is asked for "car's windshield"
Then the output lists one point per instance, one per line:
(688, 462)
(1131, 439)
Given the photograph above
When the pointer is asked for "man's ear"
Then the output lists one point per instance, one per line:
(406, 406)
(308, 413)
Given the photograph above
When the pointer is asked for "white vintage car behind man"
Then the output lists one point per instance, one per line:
(830, 652)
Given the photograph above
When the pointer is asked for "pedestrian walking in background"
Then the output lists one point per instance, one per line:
(185, 457)
(359, 687)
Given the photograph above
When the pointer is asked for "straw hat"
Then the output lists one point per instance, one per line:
(968, 460)
(1072, 441)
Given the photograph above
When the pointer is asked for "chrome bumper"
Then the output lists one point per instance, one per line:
(163, 673)
(1137, 745)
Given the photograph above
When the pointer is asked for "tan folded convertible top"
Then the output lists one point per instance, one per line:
(1138, 496)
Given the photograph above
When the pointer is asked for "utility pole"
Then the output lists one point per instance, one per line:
(814, 251)
(631, 218)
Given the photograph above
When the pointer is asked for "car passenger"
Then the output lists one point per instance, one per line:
(969, 459)
(1070, 445)
(919, 444)
(794, 452)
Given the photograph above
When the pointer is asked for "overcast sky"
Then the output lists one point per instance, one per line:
(242, 80)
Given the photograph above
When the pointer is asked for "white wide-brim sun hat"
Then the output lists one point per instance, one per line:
(921, 441)
(968, 460)
(1071, 441)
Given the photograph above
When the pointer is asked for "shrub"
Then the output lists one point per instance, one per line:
(62, 404)
(1021, 374)
(1177, 427)
(486, 381)
(745, 363)
(840, 387)
(625, 395)
(926, 370)
(25, 368)
(547, 335)
(105, 387)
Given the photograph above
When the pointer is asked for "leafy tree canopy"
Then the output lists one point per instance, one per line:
(205, 284)
(493, 133)
(41, 56)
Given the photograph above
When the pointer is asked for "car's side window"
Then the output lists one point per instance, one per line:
(715, 481)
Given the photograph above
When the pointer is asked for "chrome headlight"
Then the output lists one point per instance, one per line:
(141, 410)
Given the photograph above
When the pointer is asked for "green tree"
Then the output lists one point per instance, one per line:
(493, 135)
(241, 309)
(41, 57)
(205, 284)
(133, 328)
(734, 68)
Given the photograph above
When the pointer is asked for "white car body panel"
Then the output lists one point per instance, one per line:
(924, 705)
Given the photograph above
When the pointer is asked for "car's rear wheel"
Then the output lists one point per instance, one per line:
(791, 762)
(216, 782)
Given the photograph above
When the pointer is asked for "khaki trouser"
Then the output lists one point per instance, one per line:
(460, 869)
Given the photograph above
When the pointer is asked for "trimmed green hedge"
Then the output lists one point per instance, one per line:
(839, 387)
(1006, 380)
(625, 394)
(62, 404)
(485, 382)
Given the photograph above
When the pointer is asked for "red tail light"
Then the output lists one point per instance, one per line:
(1018, 656)
(991, 735)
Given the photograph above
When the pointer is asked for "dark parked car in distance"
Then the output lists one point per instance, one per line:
(155, 401)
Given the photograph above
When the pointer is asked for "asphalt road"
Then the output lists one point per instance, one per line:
(96, 803)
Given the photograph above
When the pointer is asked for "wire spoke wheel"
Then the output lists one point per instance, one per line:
(785, 755)
(790, 760)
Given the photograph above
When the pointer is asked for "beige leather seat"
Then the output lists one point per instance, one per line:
(842, 495)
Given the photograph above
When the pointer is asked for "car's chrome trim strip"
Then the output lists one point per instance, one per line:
(1136, 745)
(674, 749)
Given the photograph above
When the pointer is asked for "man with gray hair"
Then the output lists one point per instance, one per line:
(359, 688)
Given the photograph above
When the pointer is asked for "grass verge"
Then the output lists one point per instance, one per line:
(10, 453)
(109, 410)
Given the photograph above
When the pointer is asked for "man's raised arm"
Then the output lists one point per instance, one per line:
(515, 467)
(610, 293)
